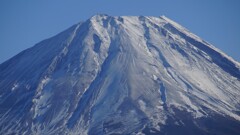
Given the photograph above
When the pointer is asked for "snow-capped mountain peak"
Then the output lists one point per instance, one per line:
(120, 75)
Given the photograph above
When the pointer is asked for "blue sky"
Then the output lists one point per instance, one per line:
(24, 23)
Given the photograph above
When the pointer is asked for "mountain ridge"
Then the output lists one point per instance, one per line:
(127, 74)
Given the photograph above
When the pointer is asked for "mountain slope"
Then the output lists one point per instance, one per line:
(121, 75)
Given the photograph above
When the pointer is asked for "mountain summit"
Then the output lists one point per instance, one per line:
(121, 75)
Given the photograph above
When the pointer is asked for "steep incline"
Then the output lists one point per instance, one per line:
(121, 75)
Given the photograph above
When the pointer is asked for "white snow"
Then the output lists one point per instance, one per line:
(126, 72)
(15, 86)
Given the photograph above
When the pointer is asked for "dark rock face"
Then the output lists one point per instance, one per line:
(183, 123)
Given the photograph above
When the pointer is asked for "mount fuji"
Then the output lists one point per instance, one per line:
(121, 75)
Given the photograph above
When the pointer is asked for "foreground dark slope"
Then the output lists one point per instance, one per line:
(121, 75)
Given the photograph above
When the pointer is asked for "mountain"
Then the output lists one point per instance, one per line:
(121, 75)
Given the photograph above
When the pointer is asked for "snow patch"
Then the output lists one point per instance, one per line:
(15, 86)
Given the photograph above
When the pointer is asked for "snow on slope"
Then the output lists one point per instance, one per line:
(188, 33)
(116, 75)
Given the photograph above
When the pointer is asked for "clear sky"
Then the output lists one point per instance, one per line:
(24, 23)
